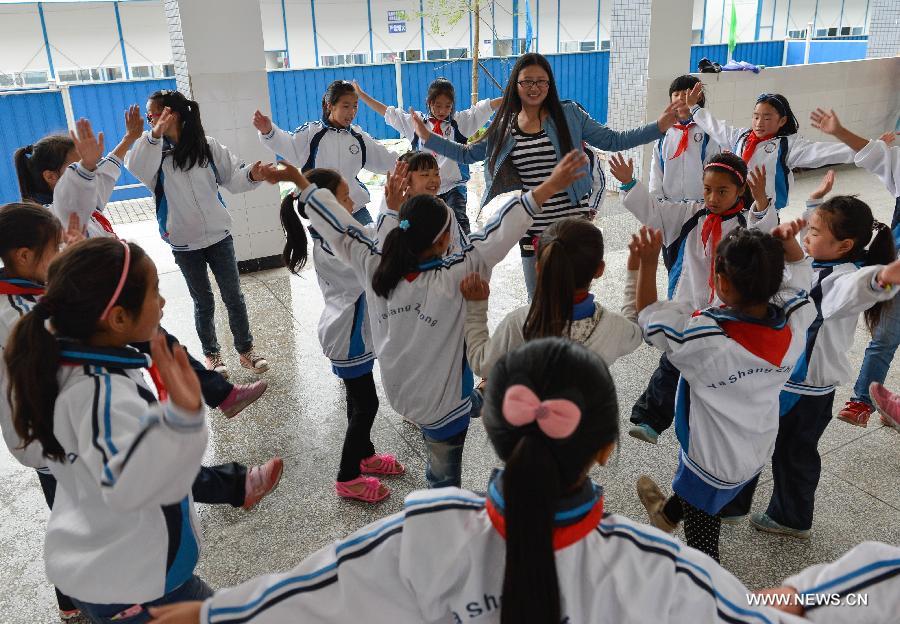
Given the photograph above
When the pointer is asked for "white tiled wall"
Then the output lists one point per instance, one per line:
(884, 28)
(865, 94)
(218, 50)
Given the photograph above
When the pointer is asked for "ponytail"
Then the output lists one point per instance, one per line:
(292, 210)
(81, 281)
(531, 490)
(32, 359)
(192, 148)
(333, 93)
(569, 253)
(423, 219)
(851, 218)
(31, 161)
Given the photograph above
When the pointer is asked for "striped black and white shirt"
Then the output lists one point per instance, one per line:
(534, 158)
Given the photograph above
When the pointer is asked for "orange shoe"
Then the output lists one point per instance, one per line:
(856, 413)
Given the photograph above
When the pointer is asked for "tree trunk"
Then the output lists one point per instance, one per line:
(476, 45)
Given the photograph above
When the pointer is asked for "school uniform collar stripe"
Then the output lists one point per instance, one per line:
(476, 501)
(680, 338)
(76, 354)
(353, 232)
(18, 286)
(890, 568)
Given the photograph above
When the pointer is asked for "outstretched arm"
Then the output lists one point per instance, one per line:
(829, 123)
(371, 102)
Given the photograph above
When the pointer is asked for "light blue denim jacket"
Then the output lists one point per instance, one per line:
(582, 128)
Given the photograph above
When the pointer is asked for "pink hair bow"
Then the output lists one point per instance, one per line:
(557, 418)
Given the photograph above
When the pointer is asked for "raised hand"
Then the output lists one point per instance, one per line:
(889, 137)
(283, 172)
(134, 123)
(826, 121)
(634, 254)
(566, 171)
(756, 181)
(179, 378)
(648, 244)
(88, 146)
(890, 274)
(622, 170)
(396, 189)
(359, 89)
(474, 288)
(177, 613)
(693, 96)
(163, 123)
(256, 172)
(788, 230)
(74, 232)
(825, 186)
(668, 117)
(262, 123)
(421, 129)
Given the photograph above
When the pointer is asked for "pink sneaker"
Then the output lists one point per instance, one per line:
(261, 481)
(241, 396)
(888, 405)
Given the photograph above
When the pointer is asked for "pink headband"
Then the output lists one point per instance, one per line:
(122, 278)
(557, 418)
(728, 167)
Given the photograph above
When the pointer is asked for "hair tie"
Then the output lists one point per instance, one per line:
(125, 264)
(29, 149)
(721, 165)
(556, 418)
(878, 226)
(42, 311)
(404, 225)
(774, 102)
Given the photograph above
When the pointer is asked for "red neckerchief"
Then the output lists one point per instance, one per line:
(562, 536)
(156, 378)
(750, 144)
(711, 234)
(683, 141)
(7, 288)
(437, 126)
(581, 297)
(103, 221)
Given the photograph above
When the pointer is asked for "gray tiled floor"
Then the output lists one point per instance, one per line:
(302, 418)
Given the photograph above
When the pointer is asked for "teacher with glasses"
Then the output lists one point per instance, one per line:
(530, 133)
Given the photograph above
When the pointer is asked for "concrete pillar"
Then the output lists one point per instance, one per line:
(884, 28)
(650, 44)
(217, 46)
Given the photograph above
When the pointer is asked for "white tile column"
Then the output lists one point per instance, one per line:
(884, 29)
(650, 44)
(217, 46)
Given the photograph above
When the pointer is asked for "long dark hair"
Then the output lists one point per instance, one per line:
(569, 253)
(753, 262)
(539, 470)
(27, 225)
(849, 217)
(422, 219)
(736, 170)
(192, 148)
(419, 161)
(334, 92)
(783, 108)
(80, 282)
(440, 86)
(292, 209)
(686, 82)
(511, 105)
(48, 154)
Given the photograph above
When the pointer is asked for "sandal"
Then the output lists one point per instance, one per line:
(381, 464)
(373, 490)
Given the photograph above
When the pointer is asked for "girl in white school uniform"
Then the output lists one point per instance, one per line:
(856, 271)
(540, 547)
(676, 169)
(332, 142)
(444, 120)
(733, 359)
(414, 303)
(345, 331)
(184, 169)
(771, 142)
(691, 231)
(569, 259)
(122, 533)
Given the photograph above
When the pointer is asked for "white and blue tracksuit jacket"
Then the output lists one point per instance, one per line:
(884, 161)
(458, 128)
(86, 193)
(346, 150)
(732, 371)
(418, 330)
(123, 528)
(190, 210)
(681, 178)
(441, 560)
(780, 155)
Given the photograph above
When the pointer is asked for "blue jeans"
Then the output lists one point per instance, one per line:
(456, 201)
(193, 589)
(221, 259)
(879, 353)
(528, 268)
(443, 466)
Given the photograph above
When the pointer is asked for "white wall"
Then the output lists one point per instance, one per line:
(84, 34)
(146, 33)
(21, 41)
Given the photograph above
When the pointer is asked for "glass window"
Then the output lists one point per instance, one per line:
(604, 45)
(436, 55)
(456, 53)
(112, 73)
(141, 71)
(7, 80)
(34, 77)
(588, 46)
(389, 57)
(413, 55)
(857, 30)
(168, 70)
(67, 75)
(357, 59)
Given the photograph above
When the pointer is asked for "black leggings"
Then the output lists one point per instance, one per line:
(362, 406)
(701, 530)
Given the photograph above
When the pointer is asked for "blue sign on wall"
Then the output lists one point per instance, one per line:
(396, 27)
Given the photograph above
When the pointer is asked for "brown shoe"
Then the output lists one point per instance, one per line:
(654, 500)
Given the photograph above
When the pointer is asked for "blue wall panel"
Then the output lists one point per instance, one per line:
(296, 95)
(25, 118)
(105, 104)
(583, 77)
(827, 51)
(768, 53)
(716, 53)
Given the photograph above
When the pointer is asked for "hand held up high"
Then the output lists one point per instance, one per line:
(262, 122)
(175, 370)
